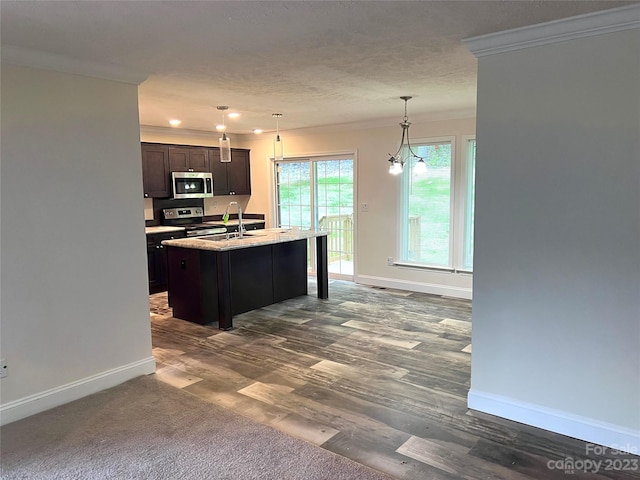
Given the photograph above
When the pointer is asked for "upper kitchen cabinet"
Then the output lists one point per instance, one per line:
(155, 170)
(188, 159)
(231, 178)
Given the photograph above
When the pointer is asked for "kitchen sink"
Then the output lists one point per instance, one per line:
(223, 237)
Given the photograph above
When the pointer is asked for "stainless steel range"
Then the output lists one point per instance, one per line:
(191, 219)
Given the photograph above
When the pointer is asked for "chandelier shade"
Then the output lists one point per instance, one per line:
(224, 142)
(405, 150)
(278, 148)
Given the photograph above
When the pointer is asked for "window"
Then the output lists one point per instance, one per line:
(437, 206)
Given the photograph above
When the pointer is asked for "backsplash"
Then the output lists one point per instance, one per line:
(148, 208)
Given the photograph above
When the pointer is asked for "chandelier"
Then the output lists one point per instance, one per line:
(405, 151)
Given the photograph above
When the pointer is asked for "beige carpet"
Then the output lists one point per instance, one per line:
(144, 429)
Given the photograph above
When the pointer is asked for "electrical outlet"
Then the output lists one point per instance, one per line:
(390, 261)
(4, 370)
(365, 207)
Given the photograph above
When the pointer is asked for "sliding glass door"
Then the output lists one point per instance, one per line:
(319, 193)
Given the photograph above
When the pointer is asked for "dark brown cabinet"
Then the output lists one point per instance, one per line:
(155, 171)
(159, 160)
(231, 178)
(188, 159)
(157, 260)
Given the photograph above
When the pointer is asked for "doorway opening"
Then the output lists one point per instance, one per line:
(318, 193)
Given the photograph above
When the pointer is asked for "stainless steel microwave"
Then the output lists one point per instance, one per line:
(192, 184)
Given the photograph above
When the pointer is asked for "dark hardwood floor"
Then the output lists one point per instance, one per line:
(378, 376)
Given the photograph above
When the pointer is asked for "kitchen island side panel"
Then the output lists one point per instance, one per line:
(289, 270)
(251, 272)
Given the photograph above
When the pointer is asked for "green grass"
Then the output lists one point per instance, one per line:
(430, 200)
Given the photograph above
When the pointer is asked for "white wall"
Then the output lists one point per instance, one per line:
(556, 305)
(75, 315)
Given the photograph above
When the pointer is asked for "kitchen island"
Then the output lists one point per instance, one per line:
(215, 277)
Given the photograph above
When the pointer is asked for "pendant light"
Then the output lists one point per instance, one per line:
(224, 142)
(405, 151)
(278, 149)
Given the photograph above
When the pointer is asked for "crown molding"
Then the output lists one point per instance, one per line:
(178, 132)
(580, 26)
(207, 138)
(26, 57)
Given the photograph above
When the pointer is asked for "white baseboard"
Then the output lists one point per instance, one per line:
(422, 287)
(39, 402)
(582, 428)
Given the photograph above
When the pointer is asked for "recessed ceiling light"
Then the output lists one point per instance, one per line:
(257, 131)
(174, 122)
(233, 115)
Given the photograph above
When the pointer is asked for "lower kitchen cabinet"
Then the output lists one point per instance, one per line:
(157, 260)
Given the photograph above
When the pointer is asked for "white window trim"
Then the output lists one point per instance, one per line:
(464, 196)
(459, 195)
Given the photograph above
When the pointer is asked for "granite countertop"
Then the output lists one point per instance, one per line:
(253, 238)
(213, 223)
(162, 229)
(234, 222)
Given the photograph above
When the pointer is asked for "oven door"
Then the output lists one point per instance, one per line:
(192, 184)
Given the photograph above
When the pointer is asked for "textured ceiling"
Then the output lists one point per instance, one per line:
(316, 62)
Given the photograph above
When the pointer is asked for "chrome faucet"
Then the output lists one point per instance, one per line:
(240, 224)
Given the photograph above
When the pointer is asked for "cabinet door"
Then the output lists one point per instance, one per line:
(155, 171)
(219, 171)
(157, 260)
(157, 267)
(178, 159)
(186, 289)
(238, 173)
(199, 159)
(152, 267)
